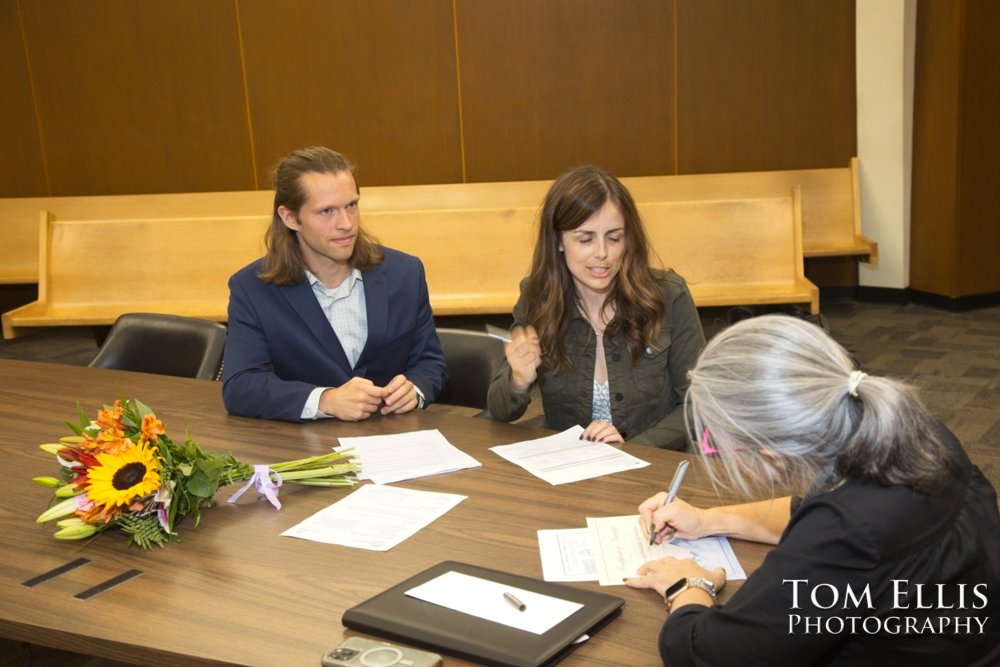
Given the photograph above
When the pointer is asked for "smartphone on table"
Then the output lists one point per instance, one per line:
(362, 652)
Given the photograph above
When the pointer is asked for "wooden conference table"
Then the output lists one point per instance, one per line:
(234, 591)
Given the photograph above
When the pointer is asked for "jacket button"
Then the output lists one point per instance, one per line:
(616, 357)
(619, 396)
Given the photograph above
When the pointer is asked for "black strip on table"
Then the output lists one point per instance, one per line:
(53, 573)
(105, 585)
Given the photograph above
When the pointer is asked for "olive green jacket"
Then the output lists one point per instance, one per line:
(644, 398)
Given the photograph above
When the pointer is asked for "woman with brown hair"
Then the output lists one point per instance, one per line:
(607, 339)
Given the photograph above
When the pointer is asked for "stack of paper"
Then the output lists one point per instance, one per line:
(375, 517)
(613, 548)
(394, 458)
(564, 457)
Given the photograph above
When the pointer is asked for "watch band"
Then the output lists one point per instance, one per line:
(696, 582)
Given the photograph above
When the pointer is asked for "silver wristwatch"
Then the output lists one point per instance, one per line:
(682, 585)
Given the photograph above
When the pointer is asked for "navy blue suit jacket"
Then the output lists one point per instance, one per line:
(281, 346)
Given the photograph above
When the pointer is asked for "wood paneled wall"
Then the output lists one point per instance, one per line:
(955, 230)
(548, 85)
(138, 96)
(117, 96)
(765, 84)
(22, 172)
(373, 79)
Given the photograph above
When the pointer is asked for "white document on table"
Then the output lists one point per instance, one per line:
(567, 555)
(485, 599)
(612, 548)
(712, 552)
(393, 458)
(564, 457)
(374, 517)
(620, 548)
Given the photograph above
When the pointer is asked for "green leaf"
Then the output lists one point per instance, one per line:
(144, 531)
(142, 409)
(204, 481)
(84, 422)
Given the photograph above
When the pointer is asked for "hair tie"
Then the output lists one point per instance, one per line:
(853, 381)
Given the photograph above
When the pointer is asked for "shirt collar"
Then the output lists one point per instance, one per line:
(347, 286)
(354, 276)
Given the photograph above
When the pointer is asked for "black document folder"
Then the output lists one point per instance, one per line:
(394, 615)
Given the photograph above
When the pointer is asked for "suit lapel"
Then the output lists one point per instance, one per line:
(377, 308)
(302, 300)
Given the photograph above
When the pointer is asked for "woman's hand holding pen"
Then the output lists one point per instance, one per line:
(685, 521)
(524, 355)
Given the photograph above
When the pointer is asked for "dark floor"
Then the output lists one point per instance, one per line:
(952, 358)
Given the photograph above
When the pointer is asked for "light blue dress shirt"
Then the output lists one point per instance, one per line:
(345, 308)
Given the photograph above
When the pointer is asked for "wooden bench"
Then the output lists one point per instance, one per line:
(831, 208)
(733, 252)
(19, 253)
(92, 271)
(831, 221)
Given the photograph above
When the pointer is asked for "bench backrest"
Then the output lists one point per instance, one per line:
(735, 251)
(731, 251)
(831, 210)
(137, 261)
(19, 253)
(831, 220)
(474, 258)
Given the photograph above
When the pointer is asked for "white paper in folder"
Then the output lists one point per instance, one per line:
(491, 601)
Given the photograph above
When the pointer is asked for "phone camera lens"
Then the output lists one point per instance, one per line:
(343, 654)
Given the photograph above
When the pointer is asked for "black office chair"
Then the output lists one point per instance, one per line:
(472, 358)
(165, 345)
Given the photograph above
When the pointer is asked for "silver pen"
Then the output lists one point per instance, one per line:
(509, 597)
(675, 485)
(498, 333)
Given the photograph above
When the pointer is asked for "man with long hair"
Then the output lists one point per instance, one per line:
(328, 323)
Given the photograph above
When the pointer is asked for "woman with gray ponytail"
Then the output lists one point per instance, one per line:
(887, 536)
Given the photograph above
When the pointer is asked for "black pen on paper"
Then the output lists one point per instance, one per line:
(675, 485)
(509, 597)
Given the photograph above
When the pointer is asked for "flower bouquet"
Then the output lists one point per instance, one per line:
(122, 471)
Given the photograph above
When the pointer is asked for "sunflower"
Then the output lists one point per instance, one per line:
(120, 478)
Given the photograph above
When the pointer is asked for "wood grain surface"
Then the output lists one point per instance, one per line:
(234, 591)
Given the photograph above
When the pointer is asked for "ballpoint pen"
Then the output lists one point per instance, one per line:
(509, 597)
(494, 331)
(675, 485)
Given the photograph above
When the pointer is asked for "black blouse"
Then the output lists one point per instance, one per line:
(864, 575)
